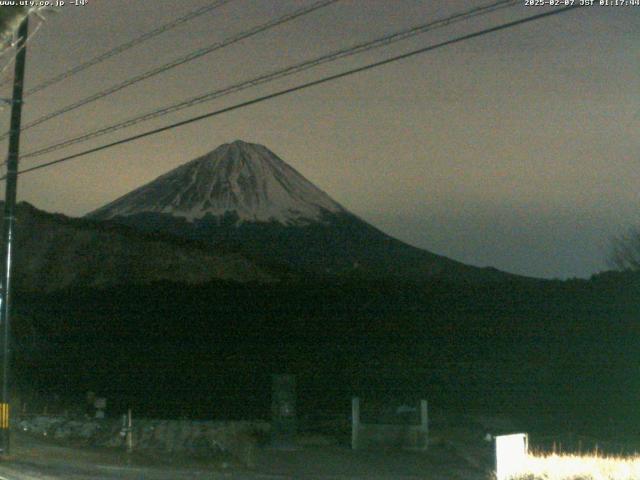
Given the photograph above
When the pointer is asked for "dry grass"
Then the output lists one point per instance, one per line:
(580, 467)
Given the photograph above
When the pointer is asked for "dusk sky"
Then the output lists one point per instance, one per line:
(518, 149)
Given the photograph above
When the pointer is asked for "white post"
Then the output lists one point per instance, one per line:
(129, 432)
(424, 421)
(355, 422)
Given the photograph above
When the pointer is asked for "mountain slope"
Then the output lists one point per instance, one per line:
(55, 252)
(243, 196)
(243, 178)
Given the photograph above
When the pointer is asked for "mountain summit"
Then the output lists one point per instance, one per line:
(243, 197)
(242, 179)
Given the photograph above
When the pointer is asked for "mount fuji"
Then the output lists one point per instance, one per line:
(243, 196)
(243, 179)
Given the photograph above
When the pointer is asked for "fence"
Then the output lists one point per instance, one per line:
(371, 435)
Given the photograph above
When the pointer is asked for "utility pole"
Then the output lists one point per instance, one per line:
(8, 233)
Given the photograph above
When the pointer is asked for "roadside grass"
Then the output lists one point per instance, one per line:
(591, 466)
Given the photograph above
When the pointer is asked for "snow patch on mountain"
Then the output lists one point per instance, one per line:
(242, 178)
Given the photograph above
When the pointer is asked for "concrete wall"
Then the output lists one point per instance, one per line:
(171, 436)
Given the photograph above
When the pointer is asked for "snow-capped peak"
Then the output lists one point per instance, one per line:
(242, 178)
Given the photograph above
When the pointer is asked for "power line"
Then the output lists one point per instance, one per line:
(18, 49)
(278, 74)
(127, 46)
(180, 61)
(302, 87)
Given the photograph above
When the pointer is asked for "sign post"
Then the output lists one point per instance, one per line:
(511, 455)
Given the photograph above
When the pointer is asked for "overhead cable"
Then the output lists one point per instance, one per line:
(127, 46)
(20, 48)
(303, 86)
(179, 61)
(275, 75)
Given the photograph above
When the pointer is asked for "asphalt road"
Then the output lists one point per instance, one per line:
(38, 459)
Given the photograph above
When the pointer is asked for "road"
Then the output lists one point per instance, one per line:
(36, 459)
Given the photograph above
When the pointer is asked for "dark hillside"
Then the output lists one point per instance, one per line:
(56, 252)
(550, 347)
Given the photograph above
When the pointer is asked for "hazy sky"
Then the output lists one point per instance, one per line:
(519, 149)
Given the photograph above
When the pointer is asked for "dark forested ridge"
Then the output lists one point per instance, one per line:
(209, 350)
